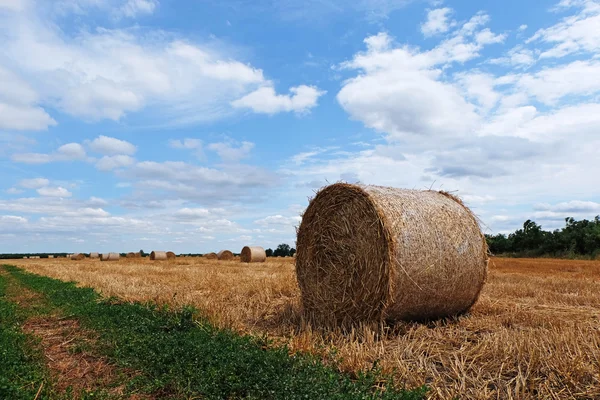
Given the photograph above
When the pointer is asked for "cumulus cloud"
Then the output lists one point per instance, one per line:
(67, 152)
(133, 8)
(264, 100)
(34, 183)
(111, 146)
(54, 192)
(279, 220)
(108, 163)
(437, 21)
(232, 151)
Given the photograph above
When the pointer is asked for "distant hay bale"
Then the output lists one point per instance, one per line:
(109, 257)
(252, 254)
(171, 255)
(225, 255)
(130, 255)
(94, 255)
(158, 255)
(77, 257)
(371, 253)
(50, 256)
(211, 256)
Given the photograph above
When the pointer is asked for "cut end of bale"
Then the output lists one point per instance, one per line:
(171, 255)
(252, 254)
(369, 253)
(110, 257)
(211, 256)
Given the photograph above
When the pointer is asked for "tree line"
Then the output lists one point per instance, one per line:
(575, 239)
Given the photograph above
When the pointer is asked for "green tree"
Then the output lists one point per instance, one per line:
(269, 252)
(283, 250)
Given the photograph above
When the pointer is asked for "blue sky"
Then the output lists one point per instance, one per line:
(197, 126)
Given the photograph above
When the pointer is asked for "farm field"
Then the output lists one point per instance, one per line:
(534, 333)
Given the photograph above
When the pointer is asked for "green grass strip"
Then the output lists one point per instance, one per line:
(184, 357)
(21, 367)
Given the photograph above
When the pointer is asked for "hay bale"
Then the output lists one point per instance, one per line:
(94, 255)
(171, 255)
(130, 255)
(50, 256)
(225, 255)
(158, 255)
(211, 256)
(109, 257)
(371, 253)
(253, 254)
(77, 257)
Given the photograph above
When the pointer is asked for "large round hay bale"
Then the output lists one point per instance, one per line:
(130, 255)
(251, 254)
(225, 255)
(78, 257)
(158, 255)
(211, 256)
(171, 255)
(109, 257)
(371, 253)
(94, 255)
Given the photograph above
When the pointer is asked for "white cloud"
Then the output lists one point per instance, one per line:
(573, 206)
(133, 8)
(111, 146)
(266, 101)
(522, 28)
(108, 163)
(67, 152)
(34, 183)
(574, 34)
(54, 192)
(437, 21)
(24, 118)
(13, 190)
(279, 220)
(228, 151)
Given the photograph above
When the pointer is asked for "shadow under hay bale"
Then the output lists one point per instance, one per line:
(110, 257)
(370, 253)
(252, 254)
(225, 255)
(158, 256)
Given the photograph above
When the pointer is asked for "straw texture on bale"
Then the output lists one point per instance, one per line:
(94, 255)
(109, 257)
(225, 255)
(77, 257)
(371, 253)
(253, 254)
(50, 256)
(130, 255)
(211, 256)
(158, 255)
(171, 255)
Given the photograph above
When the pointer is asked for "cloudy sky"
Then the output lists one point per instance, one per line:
(197, 126)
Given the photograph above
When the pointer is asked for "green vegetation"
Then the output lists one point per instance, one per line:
(576, 239)
(22, 371)
(181, 355)
(283, 250)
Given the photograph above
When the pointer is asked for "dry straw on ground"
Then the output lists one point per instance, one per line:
(158, 255)
(251, 254)
(533, 334)
(225, 255)
(110, 257)
(211, 256)
(371, 253)
(171, 255)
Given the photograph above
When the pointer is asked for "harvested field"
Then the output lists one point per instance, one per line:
(535, 332)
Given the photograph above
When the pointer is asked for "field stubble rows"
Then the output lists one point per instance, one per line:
(534, 333)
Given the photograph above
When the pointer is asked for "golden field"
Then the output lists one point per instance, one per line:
(533, 334)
